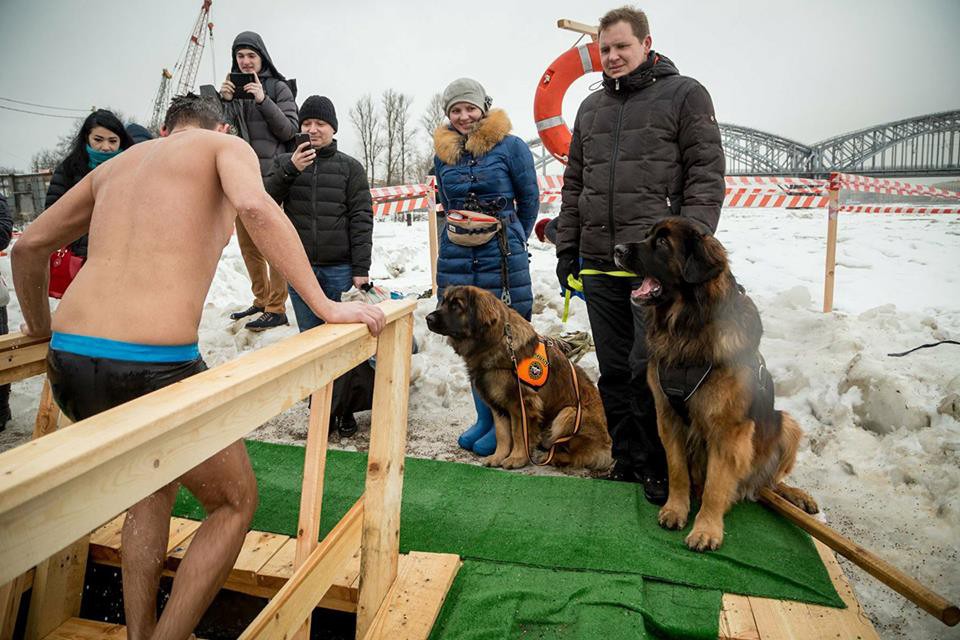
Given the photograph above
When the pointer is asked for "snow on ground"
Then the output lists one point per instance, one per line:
(882, 452)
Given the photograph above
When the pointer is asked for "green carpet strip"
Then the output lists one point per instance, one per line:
(592, 531)
(492, 600)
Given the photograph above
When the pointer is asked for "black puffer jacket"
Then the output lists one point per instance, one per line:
(645, 147)
(269, 125)
(329, 204)
(60, 183)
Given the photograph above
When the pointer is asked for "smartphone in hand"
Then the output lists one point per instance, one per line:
(240, 80)
(299, 139)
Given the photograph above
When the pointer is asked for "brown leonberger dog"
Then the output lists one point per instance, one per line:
(482, 330)
(713, 393)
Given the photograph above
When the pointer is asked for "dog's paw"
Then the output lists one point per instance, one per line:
(799, 498)
(705, 537)
(492, 461)
(673, 516)
(514, 462)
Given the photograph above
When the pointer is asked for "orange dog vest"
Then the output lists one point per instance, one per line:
(535, 369)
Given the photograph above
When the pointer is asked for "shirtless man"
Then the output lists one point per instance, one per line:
(159, 216)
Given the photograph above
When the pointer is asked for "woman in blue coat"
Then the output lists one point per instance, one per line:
(478, 163)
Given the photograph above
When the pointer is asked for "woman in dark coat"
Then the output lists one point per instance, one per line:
(101, 137)
(479, 164)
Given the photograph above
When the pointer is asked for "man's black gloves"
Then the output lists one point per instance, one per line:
(568, 264)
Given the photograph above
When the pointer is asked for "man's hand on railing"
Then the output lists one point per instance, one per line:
(33, 333)
(368, 314)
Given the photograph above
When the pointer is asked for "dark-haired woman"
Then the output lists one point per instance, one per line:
(101, 137)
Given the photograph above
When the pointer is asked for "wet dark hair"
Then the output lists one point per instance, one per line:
(76, 164)
(636, 18)
(206, 113)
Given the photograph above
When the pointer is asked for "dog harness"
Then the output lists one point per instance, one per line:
(535, 359)
(535, 370)
(679, 384)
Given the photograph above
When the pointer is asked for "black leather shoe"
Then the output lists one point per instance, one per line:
(655, 488)
(347, 426)
(246, 312)
(622, 472)
(267, 321)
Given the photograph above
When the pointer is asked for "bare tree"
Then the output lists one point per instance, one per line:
(366, 120)
(430, 121)
(397, 135)
(434, 116)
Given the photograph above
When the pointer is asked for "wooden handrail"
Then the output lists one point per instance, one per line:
(58, 488)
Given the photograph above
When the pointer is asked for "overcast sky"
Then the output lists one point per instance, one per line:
(806, 70)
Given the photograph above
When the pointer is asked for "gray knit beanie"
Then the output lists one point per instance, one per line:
(466, 90)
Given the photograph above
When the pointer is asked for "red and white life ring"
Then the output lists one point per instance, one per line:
(548, 101)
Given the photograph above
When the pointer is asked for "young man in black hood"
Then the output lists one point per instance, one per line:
(267, 122)
(645, 147)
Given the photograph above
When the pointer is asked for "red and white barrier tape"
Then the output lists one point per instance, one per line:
(384, 209)
(399, 191)
(862, 208)
(852, 182)
(763, 198)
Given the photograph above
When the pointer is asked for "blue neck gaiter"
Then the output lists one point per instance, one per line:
(98, 157)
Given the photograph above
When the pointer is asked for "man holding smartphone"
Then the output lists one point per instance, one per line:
(326, 195)
(264, 113)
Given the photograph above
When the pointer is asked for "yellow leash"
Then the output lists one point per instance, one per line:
(576, 284)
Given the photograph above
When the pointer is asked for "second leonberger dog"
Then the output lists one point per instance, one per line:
(483, 331)
(713, 393)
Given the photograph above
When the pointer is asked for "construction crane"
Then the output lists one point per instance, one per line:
(187, 65)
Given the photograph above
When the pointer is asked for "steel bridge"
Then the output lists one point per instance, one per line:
(926, 145)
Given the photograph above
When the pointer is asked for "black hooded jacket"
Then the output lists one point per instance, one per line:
(329, 204)
(269, 125)
(645, 147)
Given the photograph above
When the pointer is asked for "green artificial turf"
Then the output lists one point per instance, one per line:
(492, 600)
(594, 530)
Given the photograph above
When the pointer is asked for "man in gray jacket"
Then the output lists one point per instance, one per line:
(267, 121)
(645, 147)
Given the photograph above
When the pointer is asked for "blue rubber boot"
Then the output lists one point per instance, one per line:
(480, 428)
(486, 445)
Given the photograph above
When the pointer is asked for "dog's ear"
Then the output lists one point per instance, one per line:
(486, 311)
(705, 259)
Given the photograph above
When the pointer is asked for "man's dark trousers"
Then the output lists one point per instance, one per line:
(620, 338)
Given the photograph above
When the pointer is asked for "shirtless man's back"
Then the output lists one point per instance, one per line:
(159, 216)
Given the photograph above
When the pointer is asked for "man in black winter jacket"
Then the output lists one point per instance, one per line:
(645, 147)
(326, 195)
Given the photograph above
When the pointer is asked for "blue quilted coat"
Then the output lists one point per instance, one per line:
(489, 163)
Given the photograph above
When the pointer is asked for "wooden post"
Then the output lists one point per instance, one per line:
(10, 594)
(432, 224)
(833, 209)
(311, 494)
(380, 544)
(57, 589)
(579, 27)
(47, 413)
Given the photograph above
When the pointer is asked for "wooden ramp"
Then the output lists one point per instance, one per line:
(749, 618)
(266, 563)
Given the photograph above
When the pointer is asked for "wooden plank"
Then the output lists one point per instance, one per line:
(57, 589)
(47, 413)
(414, 602)
(279, 568)
(750, 618)
(62, 486)
(830, 263)
(23, 372)
(10, 595)
(23, 355)
(579, 27)
(286, 612)
(79, 629)
(432, 240)
(311, 488)
(736, 619)
(258, 547)
(384, 486)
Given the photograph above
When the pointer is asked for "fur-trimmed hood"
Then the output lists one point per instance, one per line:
(449, 144)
